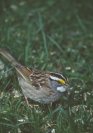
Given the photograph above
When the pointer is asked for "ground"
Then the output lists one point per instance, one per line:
(47, 35)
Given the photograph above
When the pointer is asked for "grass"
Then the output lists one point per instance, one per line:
(47, 35)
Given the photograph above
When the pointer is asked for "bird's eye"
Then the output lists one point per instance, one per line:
(59, 80)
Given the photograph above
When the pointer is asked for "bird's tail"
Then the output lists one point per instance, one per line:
(9, 57)
(21, 70)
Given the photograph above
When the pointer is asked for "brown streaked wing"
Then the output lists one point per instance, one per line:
(23, 71)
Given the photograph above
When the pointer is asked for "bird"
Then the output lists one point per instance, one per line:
(40, 86)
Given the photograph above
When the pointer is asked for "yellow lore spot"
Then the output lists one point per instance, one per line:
(61, 81)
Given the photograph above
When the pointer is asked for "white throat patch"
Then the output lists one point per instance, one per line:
(61, 89)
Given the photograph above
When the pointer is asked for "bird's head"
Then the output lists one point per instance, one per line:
(59, 82)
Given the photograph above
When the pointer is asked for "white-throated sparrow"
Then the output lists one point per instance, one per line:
(40, 86)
